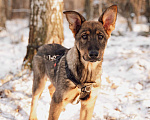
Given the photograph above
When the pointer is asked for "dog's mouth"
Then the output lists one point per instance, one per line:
(91, 59)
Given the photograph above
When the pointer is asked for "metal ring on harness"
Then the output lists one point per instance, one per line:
(86, 88)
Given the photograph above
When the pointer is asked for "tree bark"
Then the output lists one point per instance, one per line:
(54, 21)
(46, 26)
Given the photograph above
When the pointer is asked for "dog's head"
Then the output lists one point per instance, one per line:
(91, 36)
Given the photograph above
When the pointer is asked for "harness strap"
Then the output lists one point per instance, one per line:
(70, 74)
(85, 87)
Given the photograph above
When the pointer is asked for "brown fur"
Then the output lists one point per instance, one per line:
(84, 61)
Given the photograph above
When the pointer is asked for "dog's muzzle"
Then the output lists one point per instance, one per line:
(92, 56)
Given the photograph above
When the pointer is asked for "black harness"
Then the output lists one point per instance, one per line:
(85, 87)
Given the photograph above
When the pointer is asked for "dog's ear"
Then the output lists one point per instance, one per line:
(108, 19)
(75, 20)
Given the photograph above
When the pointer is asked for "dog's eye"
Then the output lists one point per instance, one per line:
(85, 36)
(100, 36)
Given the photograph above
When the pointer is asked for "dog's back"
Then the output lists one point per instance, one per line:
(51, 49)
(46, 60)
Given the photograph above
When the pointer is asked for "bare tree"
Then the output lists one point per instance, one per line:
(147, 12)
(2, 14)
(17, 8)
(89, 9)
(46, 26)
(97, 8)
(8, 8)
(74, 5)
(20, 8)
(129, 9)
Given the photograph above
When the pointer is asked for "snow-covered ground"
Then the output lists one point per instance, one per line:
(125, 90)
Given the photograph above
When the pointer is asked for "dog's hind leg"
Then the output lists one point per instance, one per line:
(39, 82)
(38, 88)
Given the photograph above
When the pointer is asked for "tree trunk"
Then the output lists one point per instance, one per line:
(20, 9)
(46, 26)
(147, 13)
(88, 9)
(8, 9)
(137, 6)
(2, 15)
(100, 7)
(129, 9)
(54, 21)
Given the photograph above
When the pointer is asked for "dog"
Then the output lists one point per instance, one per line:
(75, 73)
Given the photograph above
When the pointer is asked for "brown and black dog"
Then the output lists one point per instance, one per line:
(75, 73)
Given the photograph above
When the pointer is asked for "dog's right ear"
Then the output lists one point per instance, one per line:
(75, 20)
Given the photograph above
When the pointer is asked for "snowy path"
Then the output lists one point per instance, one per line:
(125, 91)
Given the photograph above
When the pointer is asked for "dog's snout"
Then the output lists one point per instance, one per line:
(93, 53)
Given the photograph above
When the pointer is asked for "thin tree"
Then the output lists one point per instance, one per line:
(46, 26)
(2, 15)
(147, 12)
(89, 9)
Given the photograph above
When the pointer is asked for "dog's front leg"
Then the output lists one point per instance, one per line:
(87, 106)
(55, 110)
(56, 107)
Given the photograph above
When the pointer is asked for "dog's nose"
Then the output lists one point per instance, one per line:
(93, 53)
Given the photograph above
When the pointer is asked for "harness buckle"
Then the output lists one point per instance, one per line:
(86, 88)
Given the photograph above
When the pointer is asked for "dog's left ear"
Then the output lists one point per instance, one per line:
(108, 19)
(75, 20)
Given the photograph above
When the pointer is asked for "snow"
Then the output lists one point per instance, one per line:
(124, 94)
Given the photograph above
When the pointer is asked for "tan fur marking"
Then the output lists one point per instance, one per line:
(51, 89)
